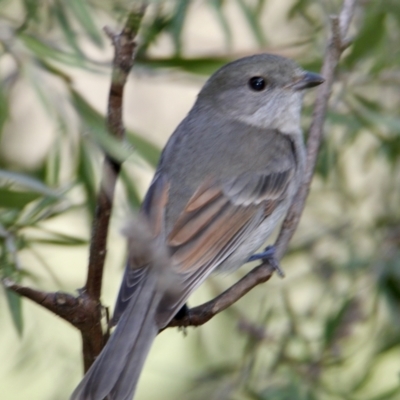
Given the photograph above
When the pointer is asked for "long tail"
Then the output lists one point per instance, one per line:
(116, 371)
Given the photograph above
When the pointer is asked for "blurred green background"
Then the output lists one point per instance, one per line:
(331, 329)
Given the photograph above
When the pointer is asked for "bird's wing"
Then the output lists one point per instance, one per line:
(214, 223)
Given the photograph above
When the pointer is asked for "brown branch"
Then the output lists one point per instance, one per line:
(85, 311)
(200, 315)
(124, 47)
(73, 309)
(337, 43)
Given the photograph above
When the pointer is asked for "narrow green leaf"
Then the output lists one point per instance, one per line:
(58, 238)
(83, 14)
(15, 306)
(146, 149)
(334, 323)
(218, 7)
(3, 108)
(253, 22)
(131, 190)
(28, 182)
(151, 32)
(177, 22)
(65, 25)
(368, 39)
(201, 66)
(95, 123)
(43, 51)
(13, 199)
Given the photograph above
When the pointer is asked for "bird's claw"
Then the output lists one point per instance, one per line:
(269, 255)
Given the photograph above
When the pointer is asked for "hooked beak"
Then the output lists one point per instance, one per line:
(309, 80)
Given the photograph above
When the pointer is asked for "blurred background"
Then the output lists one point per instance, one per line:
(329, 330)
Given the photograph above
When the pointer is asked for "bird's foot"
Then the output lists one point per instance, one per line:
(182, 313)
(269, 255)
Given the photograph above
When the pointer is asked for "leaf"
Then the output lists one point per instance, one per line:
(146, 149)
(65, 25)
(175, 25)
(3, 108)
(95, 123)
(335, 322)
(28, 182)
(201, 66)
(60, 239)
(15, 306)
(14, 199)
(131, 190)
(83, 15)
(44, 51)
(150, 33)
(217, 5)
(253, 21)
(368, 39)
(13, 299)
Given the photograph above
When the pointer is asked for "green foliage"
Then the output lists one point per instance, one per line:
(336, 326)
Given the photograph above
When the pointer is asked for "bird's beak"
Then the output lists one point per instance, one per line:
(309, 80)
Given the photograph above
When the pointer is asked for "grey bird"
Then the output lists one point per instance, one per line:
(226, 177)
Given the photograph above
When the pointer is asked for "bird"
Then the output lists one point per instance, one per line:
(226, 177)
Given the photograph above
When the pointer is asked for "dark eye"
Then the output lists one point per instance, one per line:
(257, 83)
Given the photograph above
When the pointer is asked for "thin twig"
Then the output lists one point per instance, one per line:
(337, 43)
(340, 26)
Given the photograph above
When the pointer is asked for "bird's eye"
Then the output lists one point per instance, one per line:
(257, 83)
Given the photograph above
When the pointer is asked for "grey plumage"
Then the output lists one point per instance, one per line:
(226, 177)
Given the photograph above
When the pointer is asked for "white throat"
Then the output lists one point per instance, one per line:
(278, 113)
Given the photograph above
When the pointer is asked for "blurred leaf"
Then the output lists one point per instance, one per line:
(13, 300)
(253, 21)
(149, 151)
(28, 182)
(218, 7)
(3, 108)
(369, 38)
(13, 199)
(175, 25)
(391, 394)
(15, 306)
(326, 161)
(131, 190)
(83, 15)
(150, 32)
(44, 51)
(95, 123)
(60, 239)
(202, 66)
(334, 324)
(69, 34)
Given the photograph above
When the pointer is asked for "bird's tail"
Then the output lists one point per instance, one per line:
(115, 373)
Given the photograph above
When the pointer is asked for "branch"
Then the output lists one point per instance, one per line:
(85, 311)
(200, 315)
(337, 44)
(75, 310)
(124, 47)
